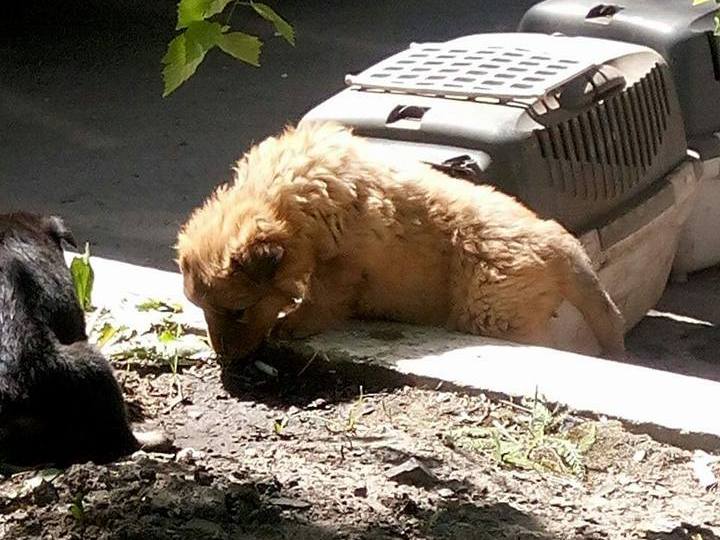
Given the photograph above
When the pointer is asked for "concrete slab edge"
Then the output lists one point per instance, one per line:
(674, 408)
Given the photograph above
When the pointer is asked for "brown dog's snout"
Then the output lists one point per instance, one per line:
(231, 339)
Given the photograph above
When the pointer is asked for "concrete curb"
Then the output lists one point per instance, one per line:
(671, 407)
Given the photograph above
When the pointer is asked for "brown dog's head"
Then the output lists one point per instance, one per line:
(248, 253)
(230, 253)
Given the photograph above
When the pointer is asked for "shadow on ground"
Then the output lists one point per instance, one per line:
(301, 381)
(152, 499)
(683, 532)
(488, 522)
(671, 345)
(682, 334)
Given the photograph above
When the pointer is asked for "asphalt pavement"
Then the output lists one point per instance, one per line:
(85, 133)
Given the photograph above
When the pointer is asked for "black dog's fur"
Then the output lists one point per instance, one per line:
(59, 400)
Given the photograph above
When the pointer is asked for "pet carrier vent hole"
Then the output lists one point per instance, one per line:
(714, 53)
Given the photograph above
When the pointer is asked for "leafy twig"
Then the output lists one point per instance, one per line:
(201, 32)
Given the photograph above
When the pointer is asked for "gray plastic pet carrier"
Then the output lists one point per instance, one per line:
(579, 129)
(677, 29)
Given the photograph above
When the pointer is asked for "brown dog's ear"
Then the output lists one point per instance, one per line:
(60, 232)
(259, 261)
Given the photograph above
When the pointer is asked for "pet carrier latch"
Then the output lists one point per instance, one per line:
(603, 13)
(463, 167)
(406, 114)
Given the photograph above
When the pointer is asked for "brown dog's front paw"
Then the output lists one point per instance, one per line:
(154, 441)
(281, 332)
(292, 328)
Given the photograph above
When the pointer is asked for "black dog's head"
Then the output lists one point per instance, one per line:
(36, 228)
(35, 242)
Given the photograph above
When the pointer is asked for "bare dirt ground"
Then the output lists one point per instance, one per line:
(304, 456)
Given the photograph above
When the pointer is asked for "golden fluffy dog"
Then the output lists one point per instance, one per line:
(316, 228)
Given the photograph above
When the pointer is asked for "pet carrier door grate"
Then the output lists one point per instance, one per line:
(497, 71)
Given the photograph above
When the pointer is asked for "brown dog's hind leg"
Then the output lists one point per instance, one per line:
(580, 285)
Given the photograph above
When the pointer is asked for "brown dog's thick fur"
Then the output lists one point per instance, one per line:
(316, 229)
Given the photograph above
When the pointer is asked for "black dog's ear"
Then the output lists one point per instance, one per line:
(56, 228)
(259, 261)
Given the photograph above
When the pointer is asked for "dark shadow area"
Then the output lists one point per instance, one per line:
(486, 522)
(671, 345)
(135, 411)
(88, 135)
(302, 380)
(459, 520)
(696, 298)
(683, 532)
(151, 499)
(682, 334)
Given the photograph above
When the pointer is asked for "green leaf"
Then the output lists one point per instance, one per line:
(215, 7)
(280, 425)
(77, 509)
(83, 278)
(190, 11)
(107, 333)
(698, 2)
(167, 336)
(178, 68)
(241, 46)
(187, 51)
(281, 25)
(154, 304)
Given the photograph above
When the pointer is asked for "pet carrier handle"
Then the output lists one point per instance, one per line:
(597, 84)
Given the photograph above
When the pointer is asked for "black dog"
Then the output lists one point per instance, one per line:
(59, 401)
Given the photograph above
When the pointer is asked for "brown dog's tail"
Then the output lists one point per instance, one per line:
(582, 288)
